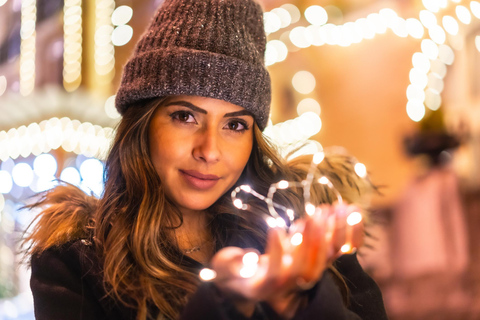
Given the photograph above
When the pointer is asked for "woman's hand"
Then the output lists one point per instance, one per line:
(293, 262)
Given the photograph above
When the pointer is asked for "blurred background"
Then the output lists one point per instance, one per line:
(395, 83)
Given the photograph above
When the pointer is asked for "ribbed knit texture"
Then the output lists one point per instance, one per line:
(209, 48)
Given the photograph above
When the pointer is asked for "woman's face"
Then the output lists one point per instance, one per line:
(199, 148)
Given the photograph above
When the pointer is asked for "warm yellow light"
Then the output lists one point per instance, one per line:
(421, 62)
(122, 35)
(375, 20)
(439, 68)
(399, 27)
(296, 239)
(354, 218)
(310, 209)
(207, 274)
(435, 82)
(272, 22)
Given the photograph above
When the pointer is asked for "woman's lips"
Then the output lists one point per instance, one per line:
(199, 180)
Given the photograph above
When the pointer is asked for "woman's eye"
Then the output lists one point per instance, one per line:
(183, 116)
(237, 126)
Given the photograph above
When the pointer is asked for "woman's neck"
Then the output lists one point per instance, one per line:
(194, 238)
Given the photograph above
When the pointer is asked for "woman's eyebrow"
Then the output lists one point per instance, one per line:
(200, 110)
(238, 113)
(186, 104)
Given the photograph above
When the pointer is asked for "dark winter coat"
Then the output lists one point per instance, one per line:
(67, 284)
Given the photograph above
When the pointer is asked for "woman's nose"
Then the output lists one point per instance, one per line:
(206, 148)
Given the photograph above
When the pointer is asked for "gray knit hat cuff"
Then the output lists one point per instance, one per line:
(183, 71)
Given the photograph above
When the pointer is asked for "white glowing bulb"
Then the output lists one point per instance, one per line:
(238, 203)
(346, 248)
(475, 7)
(304, 82)
(45, 165)
(70, 175)
(430, 49)
(463, 14)
(431, 5)
(110, 108)
(284, 15)
(271, 222)
(354, 218)
(308, 105)
(301, 37)
(414, 28)
(247, 272)
(415, 110)
(418, 78)
(324, 180)
(22, 174)
(6, 183)
(291, 214)
(316, 15)
(246, 188)
(250, 259)
(296, 239)
(318, 157)
(361, 170)
(272, 22)
(437, 34)
(207, 274)
(415, 93)
(427, 18)
(450, 25)
(282, 184)
(122, 15)
(280, 223)
(421, 62)
(287, 260)
(122, 35)
(433, 100)
(310, 209)
(446, 54)
(438, 67)
(293, 11)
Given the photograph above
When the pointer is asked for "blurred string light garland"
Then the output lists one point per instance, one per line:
(249, 266)
(429, 65)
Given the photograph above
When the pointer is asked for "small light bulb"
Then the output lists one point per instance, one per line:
(318, 157)
(354, 218)
(281, 223)
(323, 180)
(291, 214)
(271, 222)
(361, 170)
(207, 274)
(346, 248)
(246, 188)
(296, 239)
(250, 259)
(282, 184)
(238, 203)
(310, 209)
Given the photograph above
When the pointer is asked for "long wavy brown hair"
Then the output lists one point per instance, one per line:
(130, 224)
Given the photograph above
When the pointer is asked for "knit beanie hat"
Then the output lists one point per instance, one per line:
(208, 48)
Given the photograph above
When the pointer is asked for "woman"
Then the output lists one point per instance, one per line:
(194, 98)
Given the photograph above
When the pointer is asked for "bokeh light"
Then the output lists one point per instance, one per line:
(304, 82)
(22, 174)
(308, 105)
(316, 15)
(45, 165)
(6, 183)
